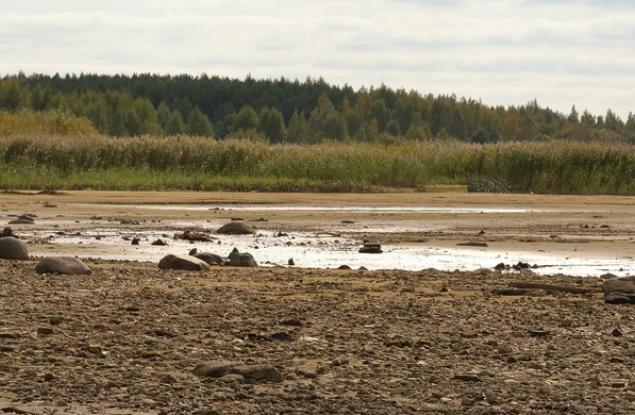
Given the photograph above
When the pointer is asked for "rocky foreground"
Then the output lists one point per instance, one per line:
(131, 339)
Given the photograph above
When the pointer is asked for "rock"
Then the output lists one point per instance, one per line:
(467, 377)
(258, 373)
(291, 262)
(211, 259)
(7, 232)
(344, 267)
(236, 228)
(254, 373)
(616, 333)
(241, 259)
(619, 291)
(347, 222)
(45, 331)
(12, 248)
(135, 241)
(159, 242)
(26, 219)
(371, 249)
(194, 236)
(215, 369)
(183, 262)
(56, 321)
(62, 265)
(473, 244)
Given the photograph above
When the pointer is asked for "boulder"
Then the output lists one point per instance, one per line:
(12, 248)
(183, 262)
(159, 242)
(236, 228)
(7, 232)
(620, 291)
(241, 259)
(62, 265)
(209, 258)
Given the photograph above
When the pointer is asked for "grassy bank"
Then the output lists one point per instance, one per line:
(202, 164)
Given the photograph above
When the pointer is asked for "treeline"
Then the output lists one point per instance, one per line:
(281, 110)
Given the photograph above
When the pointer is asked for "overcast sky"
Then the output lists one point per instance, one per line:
(561, 52)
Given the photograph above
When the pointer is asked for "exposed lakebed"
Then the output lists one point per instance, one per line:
(330, 247)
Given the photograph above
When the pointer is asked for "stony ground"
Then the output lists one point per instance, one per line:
(126, 339)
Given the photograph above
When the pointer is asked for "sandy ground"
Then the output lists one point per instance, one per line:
(127, 338)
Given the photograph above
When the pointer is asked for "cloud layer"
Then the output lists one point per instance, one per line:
(560, 52)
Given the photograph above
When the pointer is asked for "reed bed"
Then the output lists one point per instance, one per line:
(92, 161)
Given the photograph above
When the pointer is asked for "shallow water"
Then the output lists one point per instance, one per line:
(311, 250)
(351, 209)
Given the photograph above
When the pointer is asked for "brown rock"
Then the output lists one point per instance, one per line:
(183, 262)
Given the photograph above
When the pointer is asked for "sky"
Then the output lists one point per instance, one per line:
(503, 52)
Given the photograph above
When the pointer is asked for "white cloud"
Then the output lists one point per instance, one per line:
(505, 52)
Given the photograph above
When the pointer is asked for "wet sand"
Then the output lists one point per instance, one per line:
(127, 338)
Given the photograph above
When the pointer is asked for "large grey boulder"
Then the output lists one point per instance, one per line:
(62, 265)
(236, 228)
(620, 291)
(183, 262)
(12, 248)
(241, 259)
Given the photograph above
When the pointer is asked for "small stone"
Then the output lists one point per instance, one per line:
(45, 331)
(135, 241)
(159, 242)
(291, 262)
(616, 333)
(56, 321)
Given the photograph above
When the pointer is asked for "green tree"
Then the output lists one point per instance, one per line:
(297, 130)
(11, 95)
(198, 124)
(174, 125)
(272, 124)
(245, 120)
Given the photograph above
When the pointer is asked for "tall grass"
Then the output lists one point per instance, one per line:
(204, 164)
(44, 123)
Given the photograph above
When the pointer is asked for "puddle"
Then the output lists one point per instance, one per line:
(318, 250)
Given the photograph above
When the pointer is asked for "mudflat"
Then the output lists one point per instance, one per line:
(131, 338)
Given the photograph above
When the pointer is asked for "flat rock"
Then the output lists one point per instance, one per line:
(216, 369)
(12, 248)
(620, 291)
(236, 228)
(183, 262)
(62, 265)
(258, 373)
(211, 259)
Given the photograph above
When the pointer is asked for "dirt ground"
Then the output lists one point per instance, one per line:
(128, 338)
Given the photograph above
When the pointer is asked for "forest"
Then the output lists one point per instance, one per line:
(292, 111)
